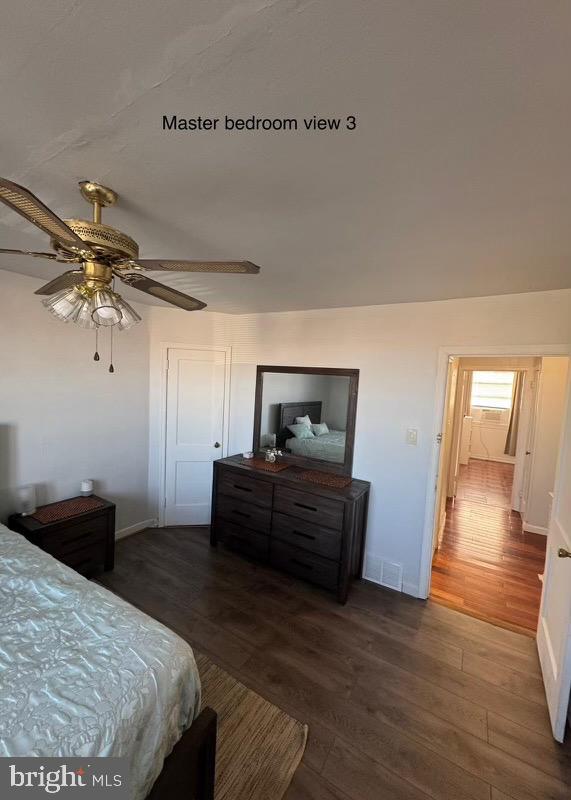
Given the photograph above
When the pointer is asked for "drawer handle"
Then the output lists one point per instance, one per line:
(304, 535)
(242, 488)
(240, 513)
(302, 505)
(300, 563)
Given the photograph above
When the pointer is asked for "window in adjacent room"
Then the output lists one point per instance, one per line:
(492, 389)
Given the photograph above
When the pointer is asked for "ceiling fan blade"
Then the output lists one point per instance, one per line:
(161, 291)
(238, 267)
(66, 281)
(52, 256)
(25, 203)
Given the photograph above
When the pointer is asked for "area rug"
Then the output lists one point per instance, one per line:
(259, 746)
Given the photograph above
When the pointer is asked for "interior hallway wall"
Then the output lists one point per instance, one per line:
(396, 349)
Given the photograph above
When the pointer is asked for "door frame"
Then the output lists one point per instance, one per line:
(444, 354)
(164, 351)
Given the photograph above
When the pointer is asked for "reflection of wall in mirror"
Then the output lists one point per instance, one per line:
(332, 390)
(335, 405)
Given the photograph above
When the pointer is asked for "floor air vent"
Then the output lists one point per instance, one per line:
(384, 572)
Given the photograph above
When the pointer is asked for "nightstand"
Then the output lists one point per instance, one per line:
(80, 532)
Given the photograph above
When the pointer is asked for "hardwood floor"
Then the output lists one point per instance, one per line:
(486, 565)
(488, 482)
(406, 700)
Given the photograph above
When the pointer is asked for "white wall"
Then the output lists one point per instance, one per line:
(63, 417)
(337, 400)
(396, 349)
(549, 421)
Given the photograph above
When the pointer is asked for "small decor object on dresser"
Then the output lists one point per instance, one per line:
(87, 487)
(80, 532)
(313, 531)
(26, 499)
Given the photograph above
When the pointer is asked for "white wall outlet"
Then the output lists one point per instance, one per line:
(412, 436)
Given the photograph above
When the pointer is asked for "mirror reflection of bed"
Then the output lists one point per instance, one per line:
(305, 415)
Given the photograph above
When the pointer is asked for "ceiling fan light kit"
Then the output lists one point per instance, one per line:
(85, 295)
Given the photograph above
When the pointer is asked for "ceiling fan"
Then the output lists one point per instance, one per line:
(85, 294)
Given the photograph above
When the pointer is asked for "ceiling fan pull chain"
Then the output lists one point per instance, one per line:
(96, 356)
(111, 367)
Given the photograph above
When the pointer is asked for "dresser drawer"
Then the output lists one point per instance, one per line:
(249, 542)
(323, 541)
(305, 565)
(245, 488)
(311, 507)
(257, 518)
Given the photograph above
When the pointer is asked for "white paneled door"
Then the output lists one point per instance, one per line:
(554, 630)
(196, 404)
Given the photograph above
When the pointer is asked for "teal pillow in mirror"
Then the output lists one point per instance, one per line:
(320, 428)
(301, 431)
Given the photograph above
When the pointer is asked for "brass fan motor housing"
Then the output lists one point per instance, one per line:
(103, 240)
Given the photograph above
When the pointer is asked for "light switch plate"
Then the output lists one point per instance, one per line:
(412, 436)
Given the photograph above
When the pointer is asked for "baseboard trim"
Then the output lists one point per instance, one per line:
(534, 528)
(138, 526)
(407, 588)
(411, 589)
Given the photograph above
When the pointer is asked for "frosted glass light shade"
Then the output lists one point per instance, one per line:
(83, 316)
(65, 303)
(129, 316)
(92, 309)
(105, 308)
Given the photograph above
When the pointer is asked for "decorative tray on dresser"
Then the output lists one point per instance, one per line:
(312, 531)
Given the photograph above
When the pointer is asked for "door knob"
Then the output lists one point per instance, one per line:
(217, 444)
(563, 553)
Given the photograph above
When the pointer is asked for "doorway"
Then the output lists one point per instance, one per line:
(498, 456)
(196, 403)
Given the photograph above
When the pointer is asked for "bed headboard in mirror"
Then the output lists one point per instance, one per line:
(309, 414)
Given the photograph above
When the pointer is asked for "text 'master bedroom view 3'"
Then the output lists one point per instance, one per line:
(285, 408)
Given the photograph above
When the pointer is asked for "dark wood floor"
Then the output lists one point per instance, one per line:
(406, 700)
(486, 565)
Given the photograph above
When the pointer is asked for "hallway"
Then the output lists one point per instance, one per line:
(488, 482)
(486, 565)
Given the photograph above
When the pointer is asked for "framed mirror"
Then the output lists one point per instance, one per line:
(309, 414)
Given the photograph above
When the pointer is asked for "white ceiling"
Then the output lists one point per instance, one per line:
(456, 183)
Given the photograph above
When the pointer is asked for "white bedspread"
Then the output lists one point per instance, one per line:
(83, 673)
(328, 447)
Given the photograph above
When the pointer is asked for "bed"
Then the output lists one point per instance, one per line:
(83, 673)
(327, 447)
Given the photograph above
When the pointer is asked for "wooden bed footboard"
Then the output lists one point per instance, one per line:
(188, 772)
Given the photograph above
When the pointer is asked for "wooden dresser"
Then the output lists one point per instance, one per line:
(84, 541)
(312, 531)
